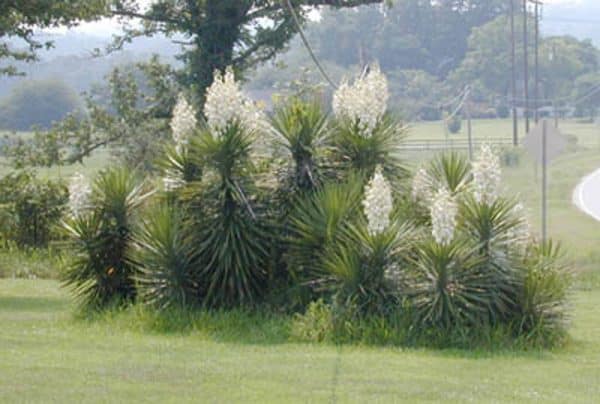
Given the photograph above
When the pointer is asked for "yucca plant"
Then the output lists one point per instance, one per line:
(317, 225)
(302, 133)
(100, 273)
(446, 286)
(356, 152)
(364, 273)
(495, 230)
(179, 167)
(543, 297)
(165, 255)
(451, 170)
(232, 227)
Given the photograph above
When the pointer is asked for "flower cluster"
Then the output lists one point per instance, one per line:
(226, 103)
(422, 186)
(79, 194)
(443, 217)
(487, 176)
(363, 102)
(378, 202)
(183, 121)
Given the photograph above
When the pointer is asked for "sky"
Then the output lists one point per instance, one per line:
(108, 27)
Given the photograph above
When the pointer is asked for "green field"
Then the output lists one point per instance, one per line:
(46, 356)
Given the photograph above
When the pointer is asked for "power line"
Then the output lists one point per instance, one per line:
(307, 44)
(460, 106)
(572, 20)
(592, 91)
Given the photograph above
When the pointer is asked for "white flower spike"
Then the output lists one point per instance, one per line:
(183, 121)
(79, 194)
(443, 217)
(364, 102)
(226, 103)
(422, 187)
(378, 202)
(487, 176)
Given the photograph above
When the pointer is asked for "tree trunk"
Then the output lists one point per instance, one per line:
(215, 41)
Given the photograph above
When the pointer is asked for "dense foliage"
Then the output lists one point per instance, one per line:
(20, 19)
(359, 239)
(30, 209)
(100, 225)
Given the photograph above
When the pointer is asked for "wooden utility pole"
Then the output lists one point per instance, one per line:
(537, 66)
(544, 181)
(513, 81)
(469, 127)
(526, 65)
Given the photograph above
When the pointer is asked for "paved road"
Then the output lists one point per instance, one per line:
(587, 195)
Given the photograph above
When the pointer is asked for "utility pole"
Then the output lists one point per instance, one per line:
(513, 81)
(544, 181)
(469, 127)
(537, 55)
(526, 65)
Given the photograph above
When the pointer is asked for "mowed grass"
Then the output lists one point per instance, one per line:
(484, 129)
(49, 356)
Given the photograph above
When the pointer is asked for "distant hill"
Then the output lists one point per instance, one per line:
(71, 60)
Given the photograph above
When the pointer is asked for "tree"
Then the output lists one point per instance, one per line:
(428, 35)
(562, 60)
(19, 19)
(37, 103)
(130, 117)
(221, 33)
(587, 93)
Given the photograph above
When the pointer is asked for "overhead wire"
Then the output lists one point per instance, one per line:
(307, 44)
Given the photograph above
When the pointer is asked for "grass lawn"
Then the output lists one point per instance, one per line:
(47, 355)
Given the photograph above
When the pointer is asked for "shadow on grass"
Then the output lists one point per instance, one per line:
(233, 326)
(264, 328)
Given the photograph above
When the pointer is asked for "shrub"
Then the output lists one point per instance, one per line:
(450, 170)
(232, 225)
(543, 297)
(317, 226)
(354, 152)
(302, 133)
(449, 264)
(30, 208)
(315, 325)
(100, 273)
(165, 256)
(362, 273)
(502, 111)
(455, 124)
(447, 288)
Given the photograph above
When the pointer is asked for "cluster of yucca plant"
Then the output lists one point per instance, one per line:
(100, 226)
(306, 206)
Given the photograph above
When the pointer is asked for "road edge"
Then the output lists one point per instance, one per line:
(578, 195)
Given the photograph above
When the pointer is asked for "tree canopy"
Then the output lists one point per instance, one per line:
(218, 33)
(20, 18)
